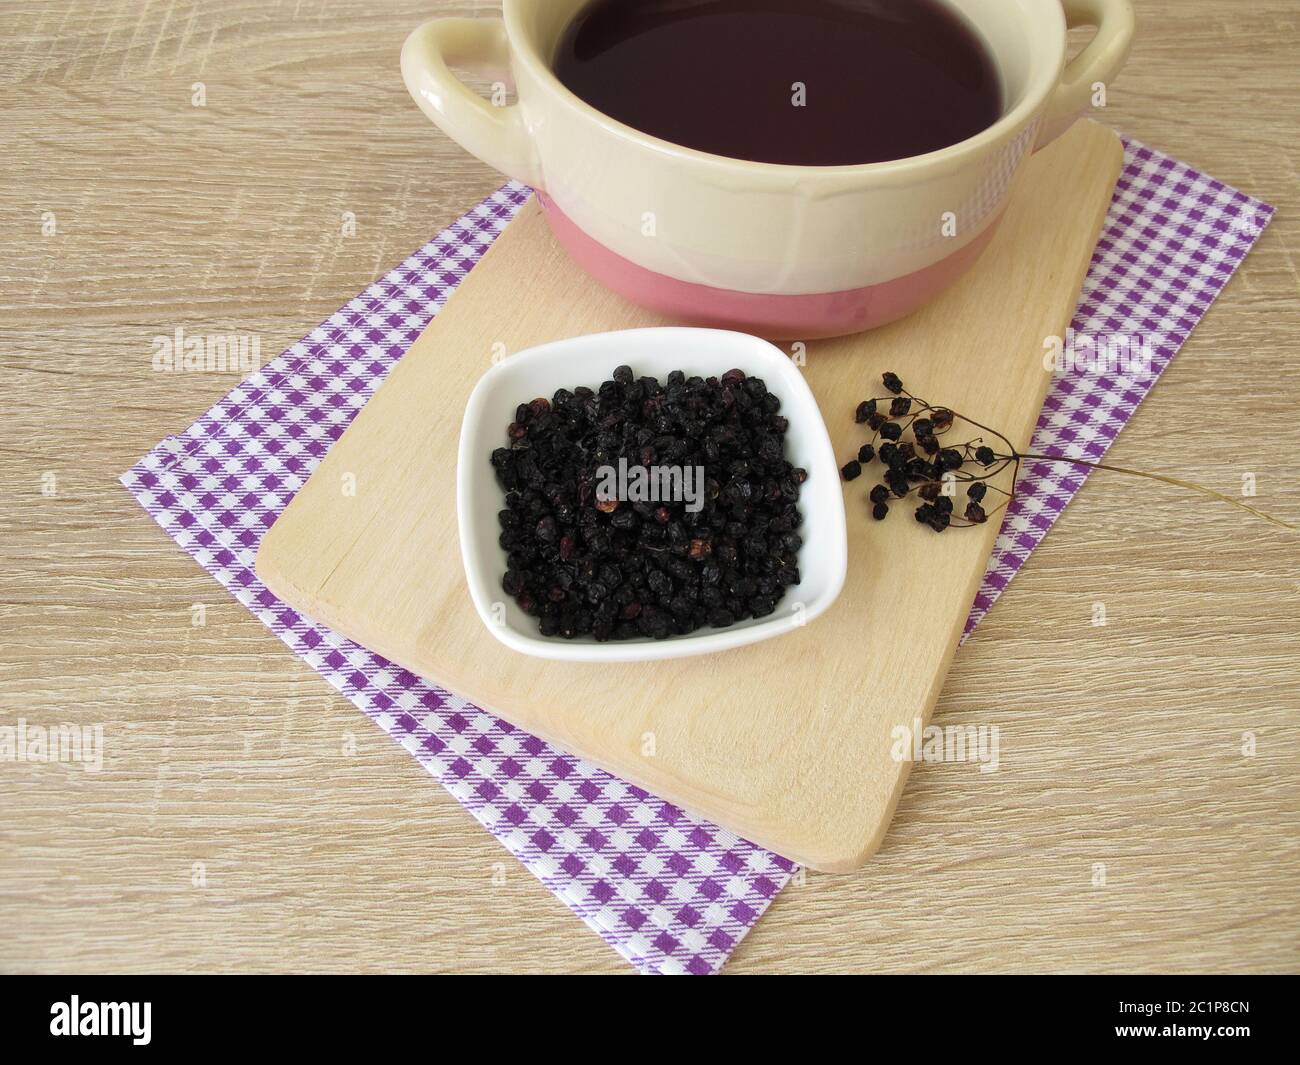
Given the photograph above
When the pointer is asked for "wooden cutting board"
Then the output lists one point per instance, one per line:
(786, 742)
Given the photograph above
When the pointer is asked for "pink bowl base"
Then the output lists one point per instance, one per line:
(776, 317)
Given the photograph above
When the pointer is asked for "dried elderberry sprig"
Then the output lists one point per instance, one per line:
(916, 462)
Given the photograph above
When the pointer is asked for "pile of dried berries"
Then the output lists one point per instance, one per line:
(619, 569)
(922, 464)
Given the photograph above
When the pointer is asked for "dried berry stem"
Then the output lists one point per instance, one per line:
(1178, 482)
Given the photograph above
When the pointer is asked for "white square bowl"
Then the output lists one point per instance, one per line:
(590, 360)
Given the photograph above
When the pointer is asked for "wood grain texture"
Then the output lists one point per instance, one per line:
(787, 743)
(1122, 745)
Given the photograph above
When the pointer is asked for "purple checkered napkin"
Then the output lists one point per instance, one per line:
(669, 892)
(1170, 243)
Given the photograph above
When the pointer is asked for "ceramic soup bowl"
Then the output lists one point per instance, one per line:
(791, 252)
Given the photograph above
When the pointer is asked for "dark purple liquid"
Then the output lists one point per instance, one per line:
(885, 79)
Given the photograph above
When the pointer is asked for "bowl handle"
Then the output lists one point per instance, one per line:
(1100, 61)
(496, 134)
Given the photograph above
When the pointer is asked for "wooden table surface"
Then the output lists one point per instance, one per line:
(1147, 812)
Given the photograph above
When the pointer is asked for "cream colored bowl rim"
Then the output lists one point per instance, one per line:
(1044, 76)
